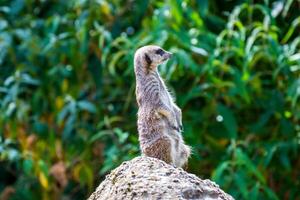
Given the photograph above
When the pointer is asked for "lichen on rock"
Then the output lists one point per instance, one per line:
(150, 178)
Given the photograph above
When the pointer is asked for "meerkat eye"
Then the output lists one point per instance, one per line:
(159, 52)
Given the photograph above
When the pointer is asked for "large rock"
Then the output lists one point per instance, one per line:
(150, 178)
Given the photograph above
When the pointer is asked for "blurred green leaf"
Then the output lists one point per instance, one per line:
(28, 166)
(88, 106)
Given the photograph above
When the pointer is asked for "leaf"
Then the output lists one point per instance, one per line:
(269, 155)
(100, 135)
(203, 7)
(254, 191)
(16, 6)
(28, 166)
(62, 114)
(295, 57)
(86, 176)
(5, 9)
(243, 159)
(3, 24)
(88, 106)
(43, 180)
(121, 135)
(199, 50)
(113, 63)
(270, 193)
(294, 92)
(285, 160)
(43, 167)
(69, 127)
(13, 154)
(291, 30)
(218, 173)
(241, 184)
(26, 78)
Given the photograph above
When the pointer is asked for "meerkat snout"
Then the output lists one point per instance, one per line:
(167, 55)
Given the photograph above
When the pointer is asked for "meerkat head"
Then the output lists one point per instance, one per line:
(151, 56)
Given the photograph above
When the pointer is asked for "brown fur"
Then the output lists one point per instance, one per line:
(163, 144)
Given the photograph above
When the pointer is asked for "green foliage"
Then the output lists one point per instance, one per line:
(67, 101)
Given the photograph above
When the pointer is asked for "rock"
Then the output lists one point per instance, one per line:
(150, 178)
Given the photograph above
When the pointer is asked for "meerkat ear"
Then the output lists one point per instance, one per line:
(148, 59)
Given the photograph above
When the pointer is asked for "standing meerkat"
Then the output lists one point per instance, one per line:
(159, 118)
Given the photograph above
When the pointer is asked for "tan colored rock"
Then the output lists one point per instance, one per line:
(150, 178)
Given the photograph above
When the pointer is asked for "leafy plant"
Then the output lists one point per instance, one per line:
(67, 101)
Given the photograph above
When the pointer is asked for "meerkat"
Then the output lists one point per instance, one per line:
(159, 118)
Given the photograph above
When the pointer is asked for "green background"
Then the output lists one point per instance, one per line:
(67, 101)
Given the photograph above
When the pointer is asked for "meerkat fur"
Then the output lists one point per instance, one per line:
(159, 118)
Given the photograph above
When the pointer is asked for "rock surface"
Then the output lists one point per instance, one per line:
(150, 178)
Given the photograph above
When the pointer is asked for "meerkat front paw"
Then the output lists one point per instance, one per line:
(177, 122)
(170, 116)
(181, 128)
(175, 128)
(172, 123)
(178, 116)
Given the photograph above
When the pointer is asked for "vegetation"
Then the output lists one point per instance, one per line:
(67, 101)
